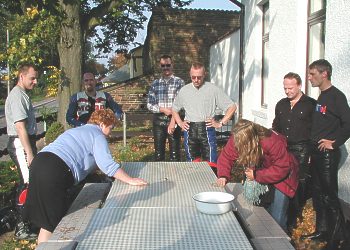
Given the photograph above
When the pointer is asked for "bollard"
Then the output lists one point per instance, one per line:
(124, 130)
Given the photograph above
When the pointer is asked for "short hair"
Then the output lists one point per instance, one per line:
(105, 116)
(292, 75)
(23, 68)
(321, 66)
(165, 57)
(198, 65)
(86, 74)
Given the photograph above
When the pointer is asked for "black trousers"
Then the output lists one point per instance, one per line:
(324, 170)
(160, 133)
(301, 151)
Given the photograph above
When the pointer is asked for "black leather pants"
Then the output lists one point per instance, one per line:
(160, 133)
(301, 152)
(329, 217)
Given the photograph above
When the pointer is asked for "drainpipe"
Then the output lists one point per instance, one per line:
(241, 56)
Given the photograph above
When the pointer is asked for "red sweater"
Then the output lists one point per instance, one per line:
(279, 166)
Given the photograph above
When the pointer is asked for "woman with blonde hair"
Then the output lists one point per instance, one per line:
(263, 154)
(64, 163)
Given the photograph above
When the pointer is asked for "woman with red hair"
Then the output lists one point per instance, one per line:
(64, 163)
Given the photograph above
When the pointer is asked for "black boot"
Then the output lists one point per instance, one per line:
(23, 232)
(315, 236)
(22, 229)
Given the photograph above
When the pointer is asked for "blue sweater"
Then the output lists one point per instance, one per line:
(83, 149)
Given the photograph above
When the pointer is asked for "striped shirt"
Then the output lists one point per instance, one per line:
(163, 92)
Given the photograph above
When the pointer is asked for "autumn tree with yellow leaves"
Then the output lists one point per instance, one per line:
(112, 23)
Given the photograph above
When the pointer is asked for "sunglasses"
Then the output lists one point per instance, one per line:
(197, 77)
(165, 65)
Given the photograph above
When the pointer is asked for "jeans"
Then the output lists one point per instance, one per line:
(278, 209)
(160, 133)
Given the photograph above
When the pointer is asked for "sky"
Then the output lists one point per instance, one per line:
(196, 4)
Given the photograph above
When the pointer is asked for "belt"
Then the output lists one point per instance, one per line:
(300, 143)
(197, 123)
(16, 136)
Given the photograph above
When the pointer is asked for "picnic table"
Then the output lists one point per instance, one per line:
(161, 215)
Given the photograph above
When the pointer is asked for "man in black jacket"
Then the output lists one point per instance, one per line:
(330, 130)
(293, 118)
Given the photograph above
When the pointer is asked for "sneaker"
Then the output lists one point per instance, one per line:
(22, 232)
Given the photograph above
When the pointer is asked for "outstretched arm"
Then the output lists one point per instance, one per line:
(124, 177)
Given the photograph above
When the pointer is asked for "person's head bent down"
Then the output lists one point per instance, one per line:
(247, 136)
(105, 118)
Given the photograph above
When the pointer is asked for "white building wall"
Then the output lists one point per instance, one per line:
(337, 52)
(251, 100)
(224, 65)
(288, 44)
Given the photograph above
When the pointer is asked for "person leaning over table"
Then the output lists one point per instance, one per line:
(64, 163)
(264, 155)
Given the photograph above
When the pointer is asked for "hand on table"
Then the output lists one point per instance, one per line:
(221, 182)
(137, 182)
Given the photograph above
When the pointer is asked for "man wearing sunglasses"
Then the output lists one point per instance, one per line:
(160, 100)
(200, 99)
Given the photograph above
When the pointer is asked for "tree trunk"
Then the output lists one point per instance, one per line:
(70, 54)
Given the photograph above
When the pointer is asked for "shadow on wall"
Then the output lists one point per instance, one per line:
(253, 70)
(344, 175)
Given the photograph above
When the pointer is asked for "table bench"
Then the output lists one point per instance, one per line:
(68, 232)
(264, 232)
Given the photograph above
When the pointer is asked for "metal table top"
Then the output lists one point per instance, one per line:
(162, 215)
(170, 185)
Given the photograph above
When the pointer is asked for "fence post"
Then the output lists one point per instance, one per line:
(124, 129)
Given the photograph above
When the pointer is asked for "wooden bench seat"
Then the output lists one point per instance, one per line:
(69, 231)
(263, 230)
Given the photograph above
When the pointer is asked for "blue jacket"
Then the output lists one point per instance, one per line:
(83, 149)
(81, 107)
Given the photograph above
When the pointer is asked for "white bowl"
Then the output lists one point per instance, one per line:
(213, 202)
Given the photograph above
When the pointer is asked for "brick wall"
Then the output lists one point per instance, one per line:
(186, 35)
(132, 95)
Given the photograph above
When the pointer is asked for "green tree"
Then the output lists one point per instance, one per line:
(117, 20)
(33, 38)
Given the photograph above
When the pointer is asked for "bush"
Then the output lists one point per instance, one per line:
(55, 129)
(8, 179)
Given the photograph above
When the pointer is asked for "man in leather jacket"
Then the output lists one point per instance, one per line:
(161, 96)
(330, 130)
(83, 104)
(293, 119)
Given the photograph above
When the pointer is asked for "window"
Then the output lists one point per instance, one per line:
(265, 54)
(316, 37)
